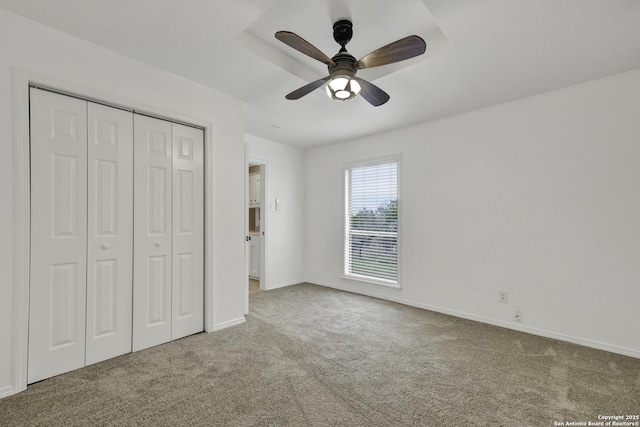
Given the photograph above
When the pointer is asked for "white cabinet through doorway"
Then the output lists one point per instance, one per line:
(254, 189)
(254, 256)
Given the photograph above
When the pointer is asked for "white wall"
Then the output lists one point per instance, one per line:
(56, 57)
(539, 197)
(284, 237)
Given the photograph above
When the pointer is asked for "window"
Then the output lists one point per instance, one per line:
(371, 222)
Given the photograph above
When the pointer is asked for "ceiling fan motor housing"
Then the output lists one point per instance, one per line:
(342, 32)
(344, 65)
(344, 61)
(343, 85)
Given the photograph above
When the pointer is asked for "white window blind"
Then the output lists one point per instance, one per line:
(371, 222)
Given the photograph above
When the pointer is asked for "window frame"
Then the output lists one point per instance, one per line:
(347, 167)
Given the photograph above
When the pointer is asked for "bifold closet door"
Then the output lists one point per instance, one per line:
(188, 231)
(81, 234)
(57, 294)
(169, 232)
(109, 233)
(152, 233)
(110, 273)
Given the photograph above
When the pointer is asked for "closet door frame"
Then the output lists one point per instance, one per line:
(22, 81)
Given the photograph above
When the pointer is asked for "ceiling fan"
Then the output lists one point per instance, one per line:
(343, 85)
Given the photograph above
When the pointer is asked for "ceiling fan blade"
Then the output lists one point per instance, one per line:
(304, 90)
(301, 45)
(397, 51)
(372, 93)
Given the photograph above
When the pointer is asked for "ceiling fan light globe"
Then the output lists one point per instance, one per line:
(355, 86)
(343, 89)
(339, 83)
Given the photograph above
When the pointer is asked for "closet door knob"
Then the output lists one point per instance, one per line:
(105, 245)
(158, 244)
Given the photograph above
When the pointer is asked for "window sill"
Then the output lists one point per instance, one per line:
(370, 281)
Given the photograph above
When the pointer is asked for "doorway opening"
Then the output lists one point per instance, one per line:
(256, 227)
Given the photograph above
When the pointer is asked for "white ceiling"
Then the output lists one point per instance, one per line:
(479, 52)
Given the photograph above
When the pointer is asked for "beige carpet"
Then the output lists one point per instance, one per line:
(311, 356)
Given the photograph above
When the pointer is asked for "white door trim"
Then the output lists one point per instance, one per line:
(246, 228)
(22, 79)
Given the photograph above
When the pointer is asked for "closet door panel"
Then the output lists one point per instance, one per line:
(152, 232)
(110, 233)
(58, 235)
(188, 231)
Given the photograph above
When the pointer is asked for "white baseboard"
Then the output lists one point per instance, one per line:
(7, 391)
(534, 331)
(283, 284)
(229, 323)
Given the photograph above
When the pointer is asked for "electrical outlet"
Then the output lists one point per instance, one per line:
(503, 296)
(517, 316)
